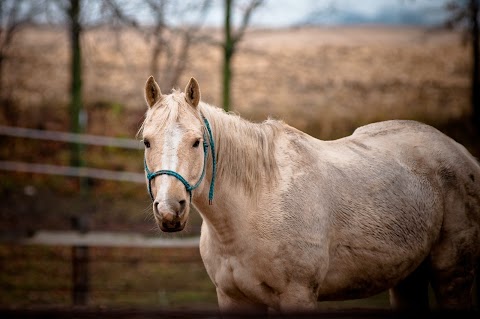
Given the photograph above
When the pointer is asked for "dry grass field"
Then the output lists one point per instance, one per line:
(326, 81)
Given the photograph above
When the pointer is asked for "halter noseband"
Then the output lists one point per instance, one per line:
(188, 187)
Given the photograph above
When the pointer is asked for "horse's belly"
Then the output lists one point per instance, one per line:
(387, 236)
(358, 272)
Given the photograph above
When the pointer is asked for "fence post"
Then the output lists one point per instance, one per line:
(80, 259)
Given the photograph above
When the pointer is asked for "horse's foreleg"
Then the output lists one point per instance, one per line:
(298, 299)
(228, 305)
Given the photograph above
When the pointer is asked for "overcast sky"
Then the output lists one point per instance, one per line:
(284, 13)
(287, 13)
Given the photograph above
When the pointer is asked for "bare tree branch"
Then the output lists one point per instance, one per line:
(118, 12)
(247, 14)
(13, 16)
(171, 43)
(465, 15)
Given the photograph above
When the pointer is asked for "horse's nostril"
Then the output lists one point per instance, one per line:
(182, 204)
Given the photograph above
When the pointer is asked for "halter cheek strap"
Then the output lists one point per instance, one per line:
(188, 187)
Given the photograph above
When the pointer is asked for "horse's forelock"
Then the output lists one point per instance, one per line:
(167, 111)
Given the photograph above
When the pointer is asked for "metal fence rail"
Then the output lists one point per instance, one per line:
(70, 137)
(69, 170)
(72, 171)
(102, 239)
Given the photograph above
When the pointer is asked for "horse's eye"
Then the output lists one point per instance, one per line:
(147, 143)
(197, 142)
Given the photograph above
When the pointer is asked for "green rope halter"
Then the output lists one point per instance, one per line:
(188, 187)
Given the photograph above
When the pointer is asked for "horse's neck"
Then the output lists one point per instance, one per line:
(225, 217)
(245, 164)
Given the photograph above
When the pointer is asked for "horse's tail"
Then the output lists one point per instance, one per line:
(477, 270)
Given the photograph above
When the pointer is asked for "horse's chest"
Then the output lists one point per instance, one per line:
(238, 278)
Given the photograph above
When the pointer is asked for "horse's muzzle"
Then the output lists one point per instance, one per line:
(170, 217)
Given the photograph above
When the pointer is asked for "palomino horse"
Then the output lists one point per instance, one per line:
(289, 220)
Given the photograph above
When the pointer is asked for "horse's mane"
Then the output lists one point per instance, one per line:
(246, 150)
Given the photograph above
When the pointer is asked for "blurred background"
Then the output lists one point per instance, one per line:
(75, 218)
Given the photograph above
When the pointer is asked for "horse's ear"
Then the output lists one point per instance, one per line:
(152, 92)
(192, 92)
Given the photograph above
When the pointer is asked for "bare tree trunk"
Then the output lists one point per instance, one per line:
(228, 49)
(14, 14)
(475, 97)
(230, 43)
(155, 57)
(77, 115)
(1, 76)
(157, 7)
(182, 59)
(1, 56)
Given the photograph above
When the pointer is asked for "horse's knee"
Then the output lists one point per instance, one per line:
(411, 294)
(230, 305)
(297, 301)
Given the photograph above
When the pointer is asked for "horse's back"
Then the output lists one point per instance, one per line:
(394, 126)
(453, 165)
(446, 164)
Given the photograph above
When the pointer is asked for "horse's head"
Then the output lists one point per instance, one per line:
(175, 152)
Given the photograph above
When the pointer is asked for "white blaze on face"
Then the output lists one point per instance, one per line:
(169, 161)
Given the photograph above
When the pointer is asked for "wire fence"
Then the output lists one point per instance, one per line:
(83, 268)
(33, 275)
